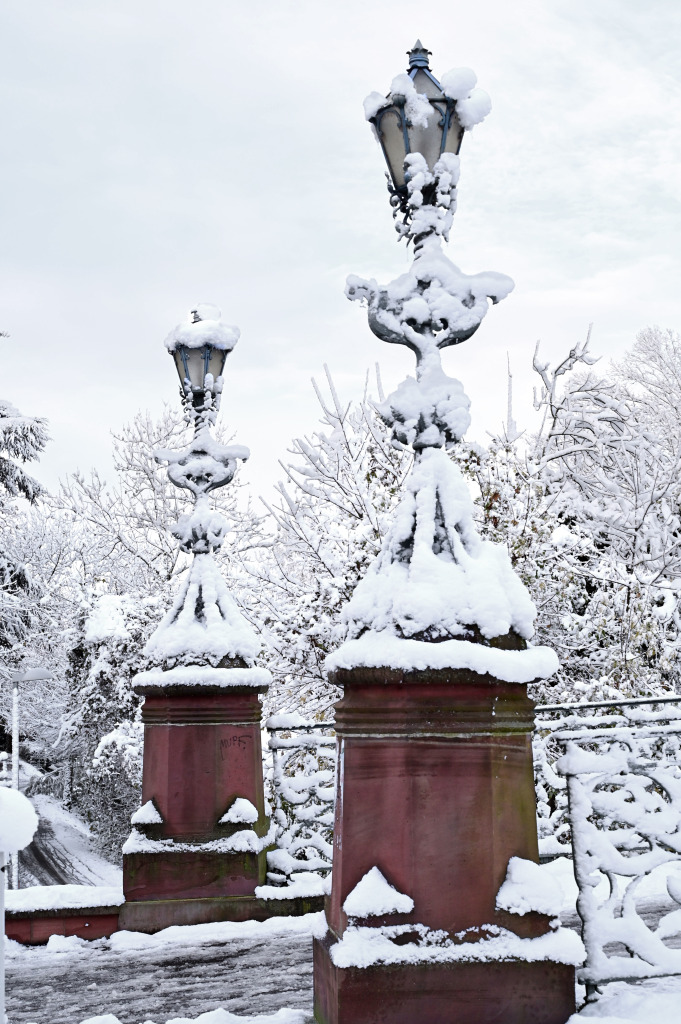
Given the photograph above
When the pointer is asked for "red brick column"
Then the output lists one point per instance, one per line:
(435, 788)
(202, 751)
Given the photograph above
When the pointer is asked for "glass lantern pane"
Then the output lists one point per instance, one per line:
(179, 365)
(425, 84)
(392, 138)
(427, 141)
(216, 363)
(454, 135)
(195, 364)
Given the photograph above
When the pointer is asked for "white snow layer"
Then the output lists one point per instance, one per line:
(147, 814)
(288, 720)
(242, 810)
(434, 574)
(204, 622)
(63, 897)
(302, 884)
(364, 947)
(220, 1016)
(203, 675)
(243, 841)
(384, 650)
(374, 896)
(18, 820)
(528, 887)
(209, 330)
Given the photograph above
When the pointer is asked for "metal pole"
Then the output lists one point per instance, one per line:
(15, 735)
(15, 775)
(3, 868)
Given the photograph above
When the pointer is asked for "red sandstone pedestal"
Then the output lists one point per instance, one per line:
(202, 751)
(435, 788)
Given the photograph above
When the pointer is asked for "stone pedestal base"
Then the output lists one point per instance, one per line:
(153, 915)
(186, 863)
(187, 875)
(512, 992)
(435, 789)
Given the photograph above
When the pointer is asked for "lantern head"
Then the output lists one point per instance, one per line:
(200, 347)
(416, 117)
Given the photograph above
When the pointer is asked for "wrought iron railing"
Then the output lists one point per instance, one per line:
(613, 773)
(301, 780)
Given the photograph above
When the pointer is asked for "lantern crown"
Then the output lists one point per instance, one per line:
(418, 55)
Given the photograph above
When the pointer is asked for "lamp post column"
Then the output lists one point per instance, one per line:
(197, 850)
(435, 792)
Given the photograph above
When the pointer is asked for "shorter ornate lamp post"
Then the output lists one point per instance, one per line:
(435, 790)
(198, 845)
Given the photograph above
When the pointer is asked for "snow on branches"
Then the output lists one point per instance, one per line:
(22, 438)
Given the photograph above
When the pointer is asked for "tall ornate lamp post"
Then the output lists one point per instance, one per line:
(435, 788)
(198, 844)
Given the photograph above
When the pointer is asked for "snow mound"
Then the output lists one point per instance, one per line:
(527, 887)
(204, 623)
(288, 720)
(242, 810)
(434, 573)
(146, 815)
(374, 896)
(18, 821)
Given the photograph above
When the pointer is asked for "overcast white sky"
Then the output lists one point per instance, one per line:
(161, 153)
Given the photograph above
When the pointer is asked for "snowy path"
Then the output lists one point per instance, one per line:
(257, 975)
(63, 851)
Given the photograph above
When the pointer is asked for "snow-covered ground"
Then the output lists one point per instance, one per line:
(228, 973)
(236, 973)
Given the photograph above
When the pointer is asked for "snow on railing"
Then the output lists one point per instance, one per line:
(557, 723)
(301, 785)
(622, 780)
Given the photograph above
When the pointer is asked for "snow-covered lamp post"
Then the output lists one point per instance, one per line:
(197, 847)
(435, 791)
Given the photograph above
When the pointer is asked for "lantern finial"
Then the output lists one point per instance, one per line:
(418, 55)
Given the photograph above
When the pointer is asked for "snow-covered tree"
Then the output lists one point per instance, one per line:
(102, 772)
(588, 508)
(330, 517)
(22, 439)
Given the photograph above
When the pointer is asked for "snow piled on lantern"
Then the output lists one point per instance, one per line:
(436, 580)
(472, 104)
(209, 329)
(204, 625)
